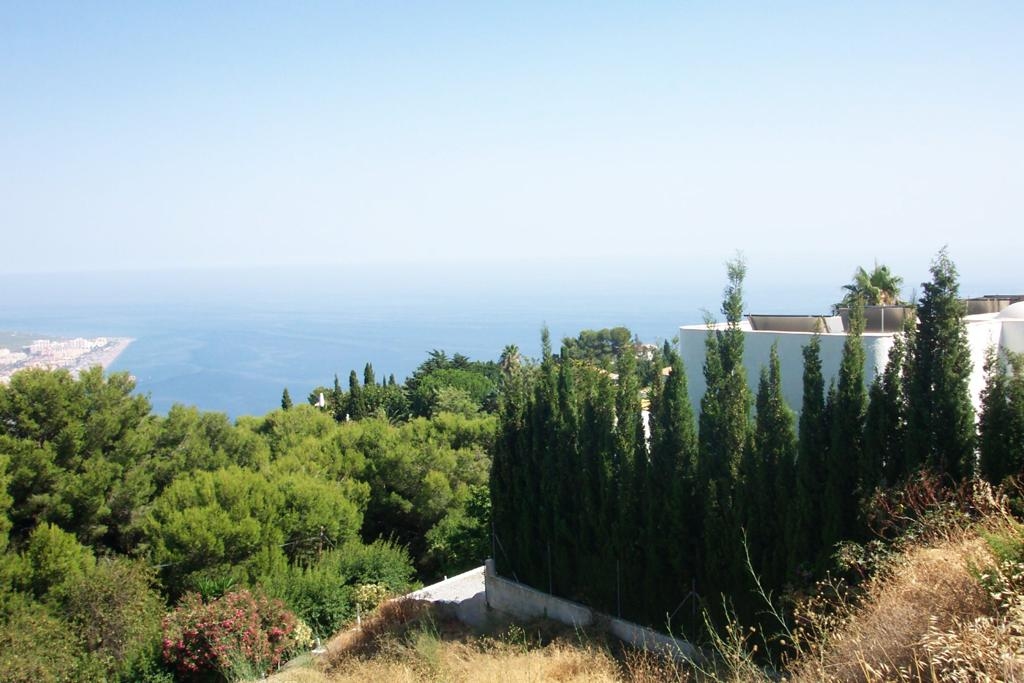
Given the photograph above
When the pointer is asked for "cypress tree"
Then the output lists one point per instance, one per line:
(511, 509)
(767, 481)
(597, 447)
(543, 454)
(568, 482)
(675, 517)
(847, 446)
(1001, 424)
(940, 428)
(337, 402)
(629, 475)
(356, 400)
(286, 399)
(885, 423)
(724, 431)
(369, 379)
(804, 537)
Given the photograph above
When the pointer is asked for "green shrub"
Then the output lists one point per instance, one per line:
(117, 613)
(322, 593)
(36, 646)
(56, 557)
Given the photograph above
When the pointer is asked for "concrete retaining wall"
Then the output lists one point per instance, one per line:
(523, 602)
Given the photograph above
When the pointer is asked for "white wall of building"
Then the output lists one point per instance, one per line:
(757, 351)
(1005, 330)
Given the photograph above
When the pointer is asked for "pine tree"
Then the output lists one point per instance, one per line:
(804, 517)
(940, 429)
(286, 399)
(847, 445)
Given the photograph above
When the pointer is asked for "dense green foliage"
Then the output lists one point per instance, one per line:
(880, 287)
(584, 505)
(1001, 425)
(839, 512)
(110, 515)
(941, 419)
(585, 473)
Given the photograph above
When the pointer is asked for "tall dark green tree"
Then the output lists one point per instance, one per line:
(356, 400)
(767, 481)
(672, 528)
(568, 513)
(940, 426)
(1001, 424)
(839, 513)
(629, 474)
(336, 401)
(724, 432)
(544, 430)
(597, 449)
(510, 480)
(286, 399)
(885, 425)
(805, 512)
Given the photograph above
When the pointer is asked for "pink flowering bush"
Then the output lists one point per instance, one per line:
(237, 631)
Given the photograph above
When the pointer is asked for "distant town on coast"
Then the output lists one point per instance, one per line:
(20, 351)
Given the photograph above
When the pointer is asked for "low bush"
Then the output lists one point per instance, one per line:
(237, 635)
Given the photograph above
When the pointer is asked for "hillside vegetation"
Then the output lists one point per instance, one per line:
(138, 547)
(943, 601)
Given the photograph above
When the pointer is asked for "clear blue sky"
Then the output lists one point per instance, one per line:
(811, 135)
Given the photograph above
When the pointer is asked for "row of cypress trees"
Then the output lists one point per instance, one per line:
(653, 526)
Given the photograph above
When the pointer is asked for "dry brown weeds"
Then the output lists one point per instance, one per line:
(926, 618)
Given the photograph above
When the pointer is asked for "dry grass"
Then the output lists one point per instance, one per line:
(927, 618)
(412, 641)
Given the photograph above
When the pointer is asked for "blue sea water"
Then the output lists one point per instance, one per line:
(232, 341)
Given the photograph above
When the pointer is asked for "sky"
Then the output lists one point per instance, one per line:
(513, 137)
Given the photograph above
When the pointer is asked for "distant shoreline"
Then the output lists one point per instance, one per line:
(105, 356)
(62, 354)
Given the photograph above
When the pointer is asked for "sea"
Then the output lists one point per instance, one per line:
(232, 340)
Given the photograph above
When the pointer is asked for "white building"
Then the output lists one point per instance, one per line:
(1000, 322)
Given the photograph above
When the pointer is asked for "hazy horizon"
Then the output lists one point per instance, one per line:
(814, 137)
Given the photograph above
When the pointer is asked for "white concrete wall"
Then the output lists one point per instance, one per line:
(1012, 335)
(757, 351)
(980, 336)
(652, 641)
(526, 603)
(983, 331)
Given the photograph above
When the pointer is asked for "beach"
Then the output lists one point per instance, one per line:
(74, 355)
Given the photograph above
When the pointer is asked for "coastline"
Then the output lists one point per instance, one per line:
(63, 355)
(104, 356)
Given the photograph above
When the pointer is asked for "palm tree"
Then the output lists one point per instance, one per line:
(510, 359)
(880, 287)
